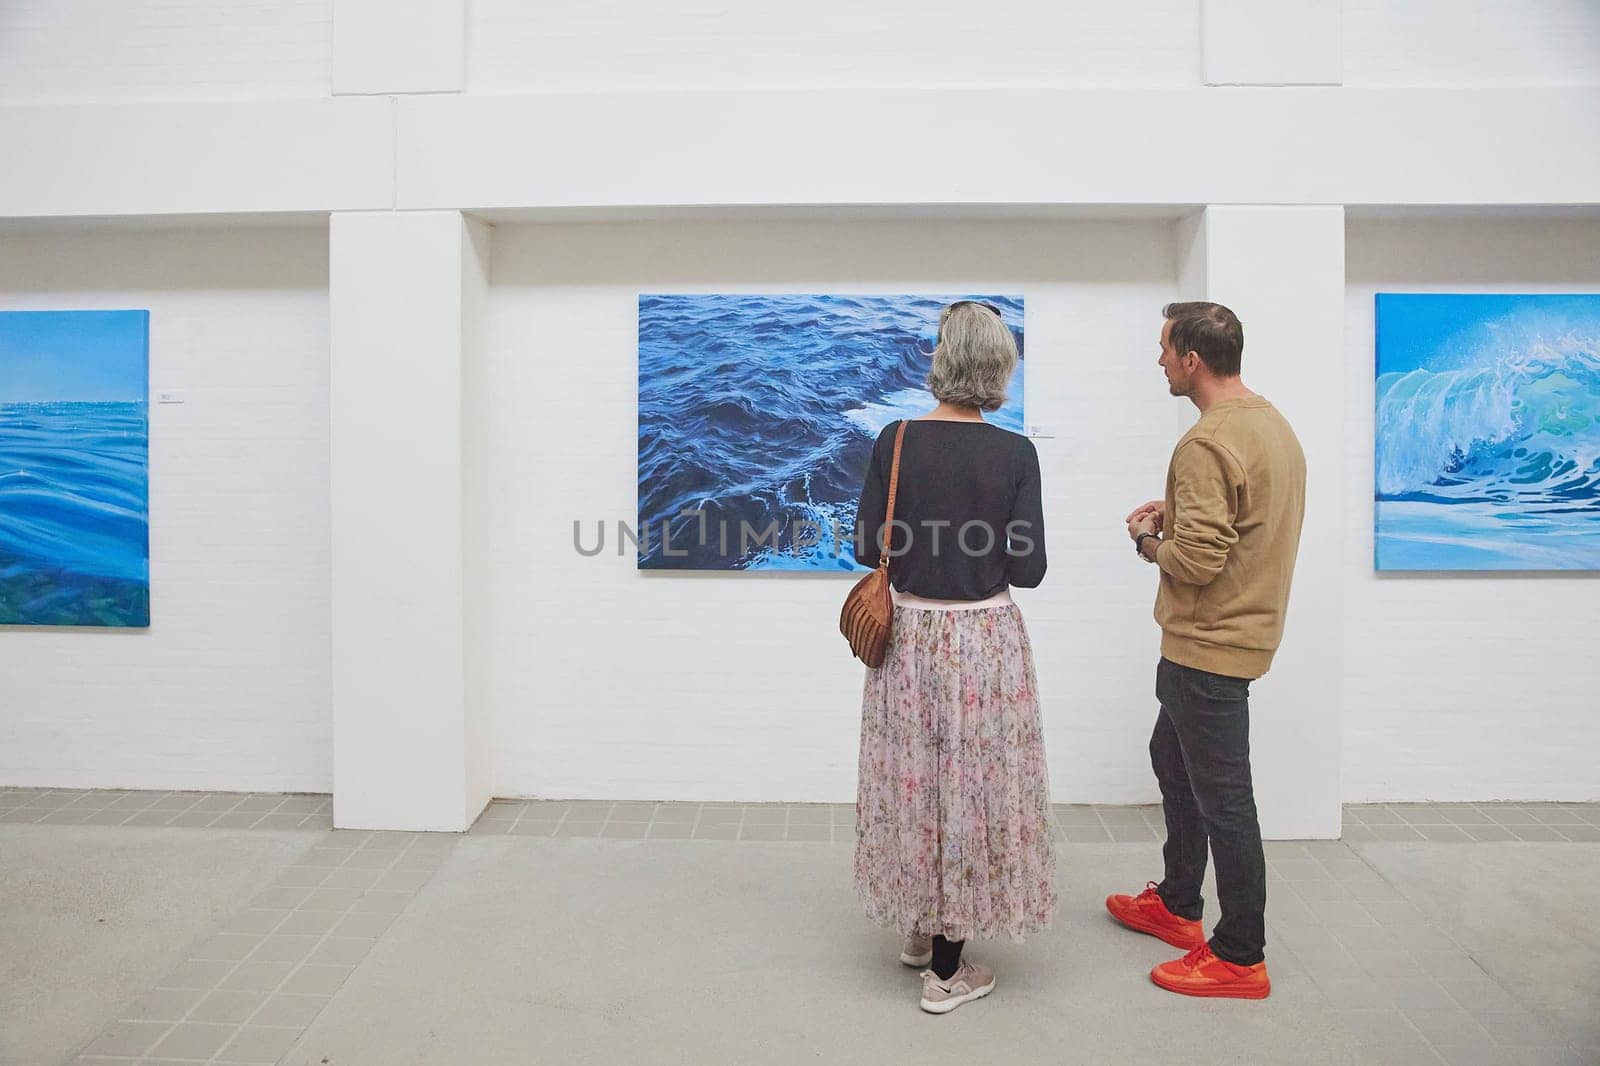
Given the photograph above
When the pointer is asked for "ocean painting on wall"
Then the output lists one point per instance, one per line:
(74, 477)
(757, 416)
(1488, 432)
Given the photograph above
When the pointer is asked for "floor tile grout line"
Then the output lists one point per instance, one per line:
(1458, 946)
(346, 912)
(649, 826)
(566, 813)
(268, 994)
(700, 820)
(216, 986)
(1540, 826)
(153, 798)
(522, 812)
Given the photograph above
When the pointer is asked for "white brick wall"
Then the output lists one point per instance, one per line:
(61, 50)
(1456, 687)
(75, 50)
(1460, 686)
(690, 44)
(604, 681)
(229, 687)
(1471, 42)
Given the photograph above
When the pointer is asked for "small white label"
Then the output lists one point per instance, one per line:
(1041, 429)
(169, 396)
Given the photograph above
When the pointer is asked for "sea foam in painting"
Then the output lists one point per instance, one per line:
(762, 409)
(74, 482)
(1488, 432)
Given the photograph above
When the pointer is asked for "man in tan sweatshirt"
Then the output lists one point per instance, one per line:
(1225, 539)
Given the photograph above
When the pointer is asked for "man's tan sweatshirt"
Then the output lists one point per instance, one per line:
(1236, 495)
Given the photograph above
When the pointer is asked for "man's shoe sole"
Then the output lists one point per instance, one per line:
(948, 1005)
(1214, 993)
(1159, 934)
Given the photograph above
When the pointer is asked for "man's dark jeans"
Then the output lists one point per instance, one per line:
(1201, 754)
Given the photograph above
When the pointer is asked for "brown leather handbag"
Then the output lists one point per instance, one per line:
(868, 610)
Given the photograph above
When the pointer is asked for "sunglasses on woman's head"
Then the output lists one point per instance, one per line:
(976, 303)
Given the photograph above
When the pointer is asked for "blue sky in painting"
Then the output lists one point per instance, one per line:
(73, 356)
(1439, 331)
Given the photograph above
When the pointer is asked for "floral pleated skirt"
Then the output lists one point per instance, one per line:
(953, 827)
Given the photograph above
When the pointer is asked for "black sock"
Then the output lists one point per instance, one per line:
(946, 957)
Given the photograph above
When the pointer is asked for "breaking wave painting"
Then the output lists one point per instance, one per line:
(74, 481)
(1488, 432)
(760, 411)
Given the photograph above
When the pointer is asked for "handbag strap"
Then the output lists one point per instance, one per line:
(894, 484)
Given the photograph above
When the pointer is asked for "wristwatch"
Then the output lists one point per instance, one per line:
(1138, 545)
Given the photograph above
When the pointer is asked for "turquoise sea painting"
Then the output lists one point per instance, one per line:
(74, 473)
(760, 411)
(1488, 432)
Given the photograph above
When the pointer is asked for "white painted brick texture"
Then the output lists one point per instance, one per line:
(604, 681)
(128, 50)
(1471, 42)
(1461, 686)
(229, 687)
(688, 44)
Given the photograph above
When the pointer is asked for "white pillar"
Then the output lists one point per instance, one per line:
(1281, 270)
(404, 289)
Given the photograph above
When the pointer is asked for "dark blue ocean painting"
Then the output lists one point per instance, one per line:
(757, 416)
(1488, 432)
(74, 480)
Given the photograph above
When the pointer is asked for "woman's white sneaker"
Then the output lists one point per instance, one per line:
(917, 950)
(971, 981)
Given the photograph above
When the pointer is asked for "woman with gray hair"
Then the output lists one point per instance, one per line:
(953, 828)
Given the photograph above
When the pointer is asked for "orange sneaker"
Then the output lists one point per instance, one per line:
(1146, 913)
(1200, 973)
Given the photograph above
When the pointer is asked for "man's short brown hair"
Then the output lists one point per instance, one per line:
(1211, 331)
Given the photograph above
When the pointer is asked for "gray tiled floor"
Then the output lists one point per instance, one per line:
(1076, 824)
(214, 810)
(807, 823)
(247, 992)
(1395, 945)
(1463, 823)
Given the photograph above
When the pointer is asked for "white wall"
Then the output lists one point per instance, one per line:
(399, 46)
(134, 50)
(605, 681)
(683, 44)
(1461, 686)
(119, 109)
(71, 50)
(229, 687)
(198, 158)
(1059, 146)
(1272, 42)
(1471, 42)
